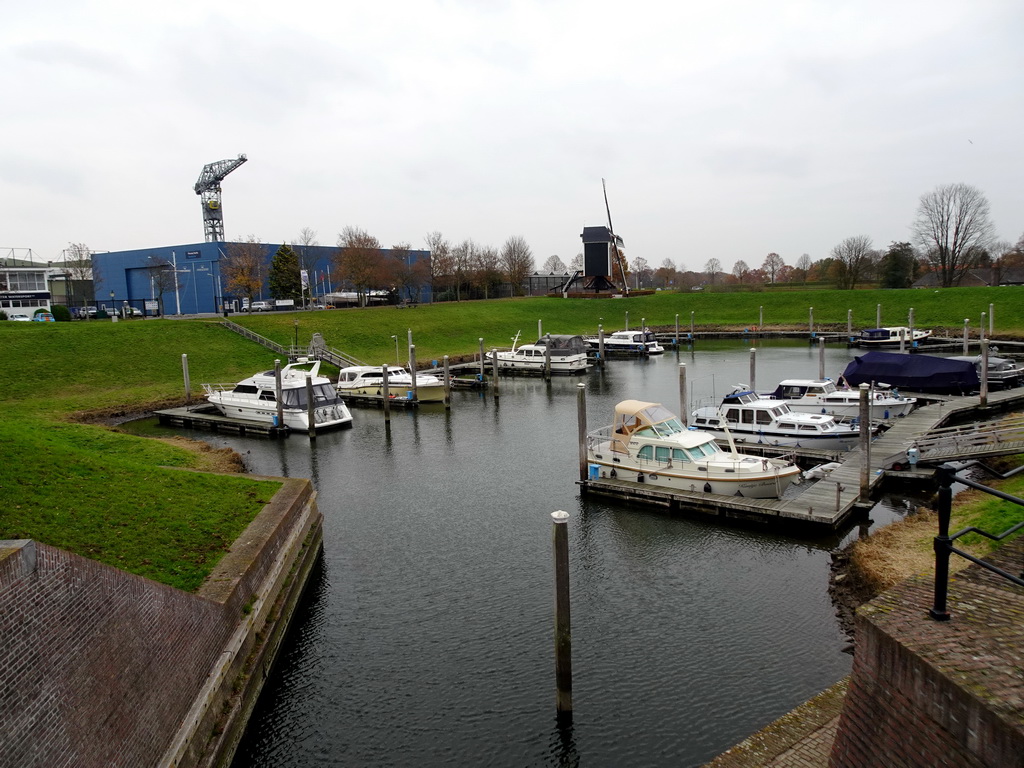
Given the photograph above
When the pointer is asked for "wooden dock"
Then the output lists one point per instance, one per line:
(208, 417)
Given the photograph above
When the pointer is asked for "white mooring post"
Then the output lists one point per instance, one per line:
(600, 344)
(981, 328)
(483, 361)
(692, 337)
(991, 319)
(184, 371)
(967, 324)
(878, 316)
(849, 323)
(627, 320)
(821, 357)
(810, 320)
(760, 318)
(540, 329)
(676, 339)
(563, 632)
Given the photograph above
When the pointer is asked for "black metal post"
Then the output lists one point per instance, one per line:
(943, 545)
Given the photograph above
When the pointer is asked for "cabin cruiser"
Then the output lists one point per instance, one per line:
(822, 396)
(368, 380)
(751, 418)
(255, 398)
(929, 374)
(634, 342)
(568, 355)
(648, 444)
(890, 336)
(1002, 372)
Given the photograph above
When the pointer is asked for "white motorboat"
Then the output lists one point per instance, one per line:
(890, 336)
(648, 444)
(568, 355)
(822, 396)
(369, 380)
(632, 342)
(255, 398)
(750, 418)
(1003, 373)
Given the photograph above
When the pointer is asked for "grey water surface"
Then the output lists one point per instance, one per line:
(426, 635)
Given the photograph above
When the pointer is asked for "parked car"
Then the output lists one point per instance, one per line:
(21, 318)
(83, 312)
(262, 306)
(44, 317)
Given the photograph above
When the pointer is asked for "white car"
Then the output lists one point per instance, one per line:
(22, 318)
(262, 306)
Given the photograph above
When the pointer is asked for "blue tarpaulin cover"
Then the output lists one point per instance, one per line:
(917, 373)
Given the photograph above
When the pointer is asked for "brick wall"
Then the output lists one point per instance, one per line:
(99, 667)
(926, 693)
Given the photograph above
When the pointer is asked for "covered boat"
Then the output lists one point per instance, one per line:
(648, 444)
(916, 373)
(568, 354)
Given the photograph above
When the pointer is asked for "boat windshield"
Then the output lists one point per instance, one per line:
(296, 398)
(665, 428)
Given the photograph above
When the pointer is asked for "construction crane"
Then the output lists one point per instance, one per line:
(208, 188)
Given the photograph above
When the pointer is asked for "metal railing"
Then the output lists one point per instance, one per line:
(943, 544)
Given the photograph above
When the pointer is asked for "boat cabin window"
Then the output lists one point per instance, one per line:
(764, 417)
(268, 394)
(645, 452)
(662, 453)
(733, 415)
(815, 390)
(792, 393)
(781, 411)
(748, 417)
(245, 389)
(787, 425)
(808, 427)
(680, 455)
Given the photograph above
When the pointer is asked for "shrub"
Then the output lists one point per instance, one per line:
(61, 313)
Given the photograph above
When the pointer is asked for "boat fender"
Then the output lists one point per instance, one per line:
(707, 487)
(653, 477)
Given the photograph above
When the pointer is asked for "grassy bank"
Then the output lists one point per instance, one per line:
(123, 500)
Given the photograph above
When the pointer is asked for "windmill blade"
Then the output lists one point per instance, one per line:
(615, 245)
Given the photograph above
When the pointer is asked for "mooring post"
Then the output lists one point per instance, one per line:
(760, 318)
(581, 427)
(385, 392)
(540, 329)
(983, 399)
(483, 359)
(563, 633)
(910, 322)
(600, 344)
(967, 322)
(643, 325)
(849, 323)
(447, 385)
(991, 319)
(310, 407)
(878, 316)
(412, 371)
(903, 340)
(494, 372)
(684, 414)
(839, 495)
(865, 441)
(821, 357)
(627, 319)
(753, 369)
(676, 339)
(810, 320)
(184, 371)
(981, 328)
(692, 337)
(942, 544)
(547, 357)
(277, 394)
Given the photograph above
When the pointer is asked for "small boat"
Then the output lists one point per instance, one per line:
(368, 380)
(255, 398)
(822, 396)
(751, 418)
(632, 342)
(929, 374)
(648, 444)
(1003, 373)
(890, 336)
(568, 355)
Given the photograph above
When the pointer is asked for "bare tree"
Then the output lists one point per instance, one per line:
(641, 271)
(441, 266)
(462, 263)
(243, 266)
(577, 263)
(740, 270)
(953, 228)
(553, 264)
(772, 264)
(666, 273)
(803, 264)
(712, 267)
(359, 260)
(404, 273)
(853, 258)
(517, 262)
(81, 272)
(486, 269)
(303, 245)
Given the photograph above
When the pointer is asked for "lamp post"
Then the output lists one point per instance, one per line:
(397, 361)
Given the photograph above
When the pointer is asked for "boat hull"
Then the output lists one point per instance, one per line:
(510, 362)
(335, 416)
(433, 393)
(881, 410)
(763, 485)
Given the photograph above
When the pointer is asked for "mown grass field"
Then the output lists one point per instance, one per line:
(122, 500)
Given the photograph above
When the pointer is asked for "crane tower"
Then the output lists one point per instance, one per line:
(208, 188)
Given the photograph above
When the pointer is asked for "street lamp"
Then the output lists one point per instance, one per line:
(397, 361)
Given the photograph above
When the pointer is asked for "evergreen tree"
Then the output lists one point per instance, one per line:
(285, 279)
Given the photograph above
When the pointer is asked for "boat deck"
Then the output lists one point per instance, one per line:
(206, 416)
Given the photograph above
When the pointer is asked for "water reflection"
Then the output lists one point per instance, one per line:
(427, 636)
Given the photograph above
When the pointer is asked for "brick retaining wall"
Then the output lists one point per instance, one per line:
(99, 667)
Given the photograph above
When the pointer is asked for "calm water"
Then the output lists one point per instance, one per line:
(426, 638)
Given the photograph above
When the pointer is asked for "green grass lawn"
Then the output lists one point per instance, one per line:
(122, 500)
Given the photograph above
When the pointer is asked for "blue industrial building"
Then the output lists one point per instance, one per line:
(122, 277)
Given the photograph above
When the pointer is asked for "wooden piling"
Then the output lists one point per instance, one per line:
(483, 360)
(547, 357)
(983, 394)
(310, 407)
(600, 344)
(447, 385)
(494, 370)
(412, 370)
(581, 427)
(684, 413)
(188, 383)
(385, 392)
(821, 357)
(753, 369)
(865, 442)
(563, 631)
(277, 393)
(967, 323)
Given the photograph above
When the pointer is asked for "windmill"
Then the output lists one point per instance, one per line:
(615, 241)
(208, 188)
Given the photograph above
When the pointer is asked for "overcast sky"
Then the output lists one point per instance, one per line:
(727, 131)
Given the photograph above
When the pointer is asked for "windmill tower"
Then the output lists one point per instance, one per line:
(208, 189)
